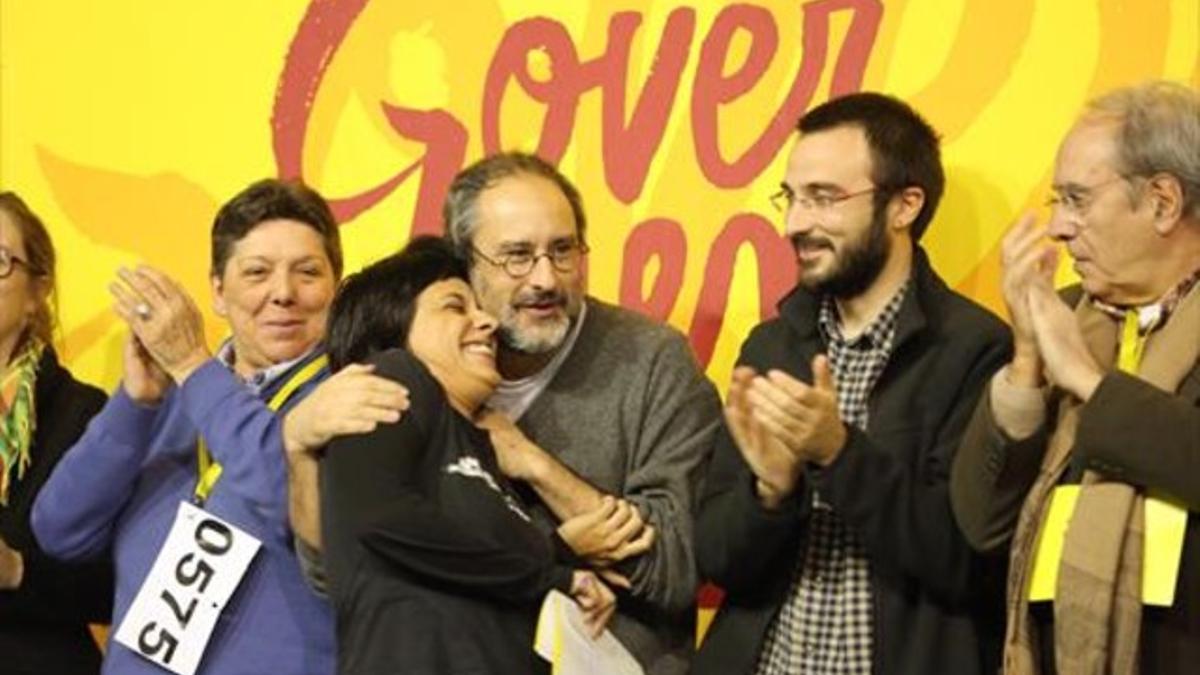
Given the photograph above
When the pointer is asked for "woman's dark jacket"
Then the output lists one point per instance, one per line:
(43, 623)
(434, 567)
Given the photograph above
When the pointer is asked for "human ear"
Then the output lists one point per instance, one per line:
(39, 294)
(908, 204)
(1166, 193)
(218, 292)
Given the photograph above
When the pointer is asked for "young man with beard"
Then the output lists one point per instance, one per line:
(604, 415)
(826, 517)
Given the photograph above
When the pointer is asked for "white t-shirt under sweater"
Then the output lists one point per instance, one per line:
(513, 397)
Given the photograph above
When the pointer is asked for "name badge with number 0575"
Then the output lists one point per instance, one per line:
(195, 574)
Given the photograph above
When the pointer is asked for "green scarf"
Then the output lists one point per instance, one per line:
(17, 416)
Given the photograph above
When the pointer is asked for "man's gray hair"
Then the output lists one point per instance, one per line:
(1160, 133)
(460, 210)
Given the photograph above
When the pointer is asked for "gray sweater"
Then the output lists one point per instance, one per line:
(631, 412)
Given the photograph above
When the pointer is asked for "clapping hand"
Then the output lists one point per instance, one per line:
(779, 423)
(803, 416)
(1069, 363)
(144, 380)
(775, 467)
(1027, 260)
(1046, 334)
(165, 321)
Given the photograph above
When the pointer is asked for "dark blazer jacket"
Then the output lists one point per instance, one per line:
(43, 623)
(937, 605)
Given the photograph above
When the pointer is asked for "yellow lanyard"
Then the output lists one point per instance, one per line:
(1165, 520)
(1133, 344)
(209, 469)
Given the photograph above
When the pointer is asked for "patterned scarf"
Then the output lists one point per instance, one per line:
(17, 416)
(1097, 614)
(1154, 315)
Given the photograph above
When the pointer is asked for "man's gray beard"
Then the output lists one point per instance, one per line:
(530, 344)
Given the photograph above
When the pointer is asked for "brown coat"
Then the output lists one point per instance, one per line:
(1129, 431)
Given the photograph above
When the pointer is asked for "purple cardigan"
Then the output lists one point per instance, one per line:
(118, 490)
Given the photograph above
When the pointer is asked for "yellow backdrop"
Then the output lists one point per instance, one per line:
(126, 123)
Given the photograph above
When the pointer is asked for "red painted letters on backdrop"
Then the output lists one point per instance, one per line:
(628, 145)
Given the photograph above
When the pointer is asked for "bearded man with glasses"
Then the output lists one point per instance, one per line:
(603, 414)
(826, 516)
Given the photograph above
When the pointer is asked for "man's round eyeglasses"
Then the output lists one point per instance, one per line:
(786, 199)
(564, 258)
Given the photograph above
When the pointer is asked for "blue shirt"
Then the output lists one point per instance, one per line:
(119, 488)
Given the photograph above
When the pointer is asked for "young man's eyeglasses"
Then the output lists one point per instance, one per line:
(563, 257)
(817, 200)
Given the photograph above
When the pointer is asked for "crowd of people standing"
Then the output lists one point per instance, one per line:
(387, 472)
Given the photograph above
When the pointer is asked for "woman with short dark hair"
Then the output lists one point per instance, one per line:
(184, 468)
(434, 565)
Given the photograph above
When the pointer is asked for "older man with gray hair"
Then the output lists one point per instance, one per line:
(1093, 428)
(611, 416)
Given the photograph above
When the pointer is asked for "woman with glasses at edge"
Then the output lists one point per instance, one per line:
(188, 428)
(434, 566)
(45, 605)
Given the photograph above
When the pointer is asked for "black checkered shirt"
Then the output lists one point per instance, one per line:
(824, 625)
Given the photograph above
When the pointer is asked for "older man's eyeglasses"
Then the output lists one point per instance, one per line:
(563, 256)
(9, 262)
(1077, 199)
(818, 200)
